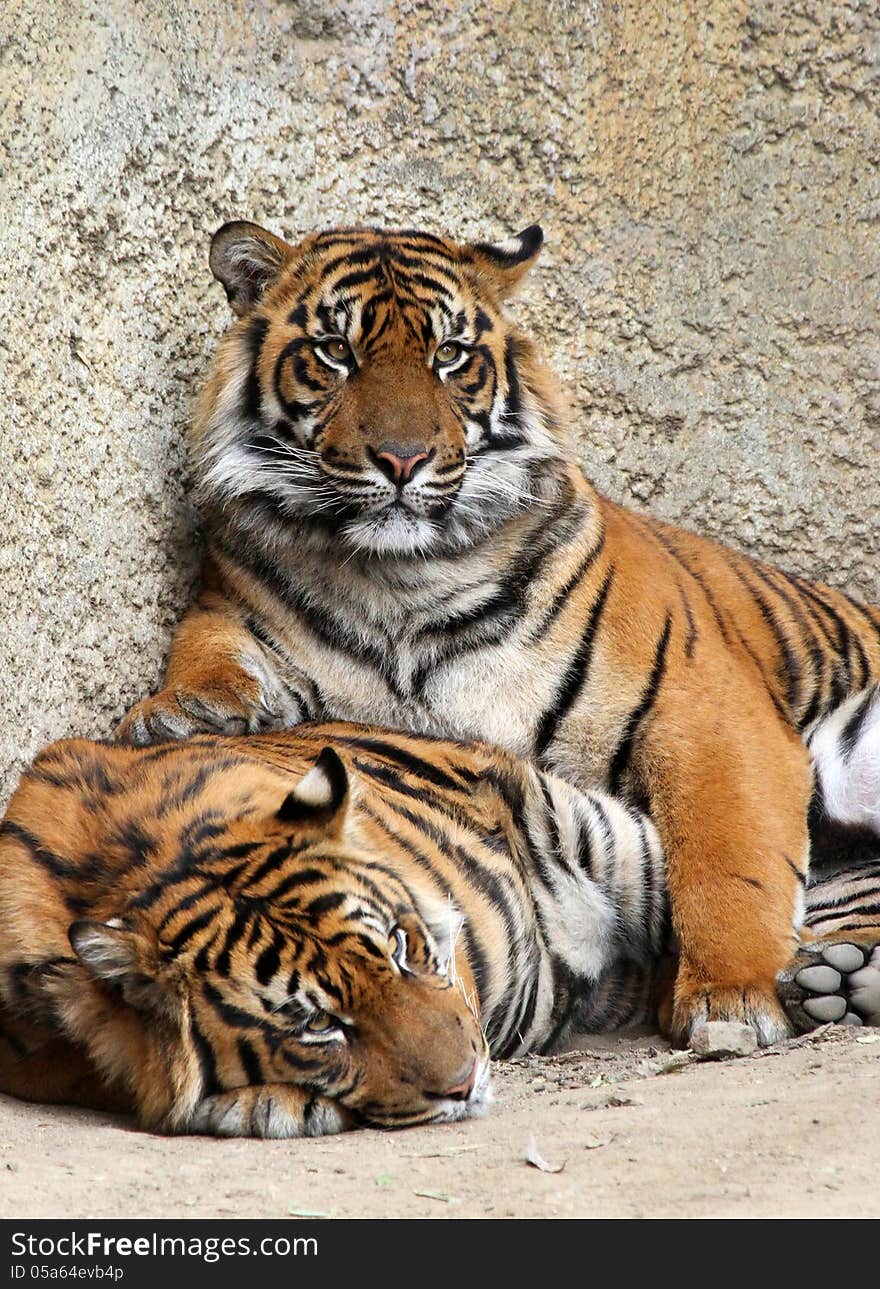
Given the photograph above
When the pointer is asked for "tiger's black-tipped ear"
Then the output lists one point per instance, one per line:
(321, 795)
(246, 259)
(505, 263)
(113, 952)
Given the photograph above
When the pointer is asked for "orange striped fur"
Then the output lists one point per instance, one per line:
(399, 533)
(297, 933)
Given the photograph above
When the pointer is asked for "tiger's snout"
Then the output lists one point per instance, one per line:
(399, 462)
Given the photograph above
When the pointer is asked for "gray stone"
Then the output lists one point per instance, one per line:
(718, 1038)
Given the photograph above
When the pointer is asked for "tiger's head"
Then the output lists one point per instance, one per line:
(373, 389)
(287, 955)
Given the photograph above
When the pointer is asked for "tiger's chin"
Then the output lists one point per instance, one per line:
(394, 531)
(476, 1105)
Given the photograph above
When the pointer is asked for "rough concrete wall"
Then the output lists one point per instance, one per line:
(707, 174)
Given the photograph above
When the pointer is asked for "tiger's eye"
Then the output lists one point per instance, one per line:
(337, 348)
(397, 946)
(447, 352)
(319, 1023)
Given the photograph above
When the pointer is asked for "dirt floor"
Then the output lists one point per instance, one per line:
(634, 1130)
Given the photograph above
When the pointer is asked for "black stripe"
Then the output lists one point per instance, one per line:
(575, 673)
(848, 641)
(852, 730)
(564, 592)
(233, 935)
(648, 884)
(864, 611)
(407, 760)
(253, 398)
(620, 760)
(268, 963)
(692, 635)
(250, 1063)
(47, 859)
(749, 881)
(332, 630)
(802, 877)
(191, 929)
(789, 669)
(666, 543)
(322, 904)
(808, 640)
(273, 861)
(206, 1059)
(234, 1016)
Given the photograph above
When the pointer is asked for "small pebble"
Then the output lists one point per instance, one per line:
(718, 1038)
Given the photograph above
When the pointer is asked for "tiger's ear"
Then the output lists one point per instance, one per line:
(504, 264)
(113, 952)
(246, 259)
(321, 797)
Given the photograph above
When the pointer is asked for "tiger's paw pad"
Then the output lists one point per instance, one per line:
(705, 1006)
(832, 982)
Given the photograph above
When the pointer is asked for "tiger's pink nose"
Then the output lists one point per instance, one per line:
(461, 1091)
(398, 461)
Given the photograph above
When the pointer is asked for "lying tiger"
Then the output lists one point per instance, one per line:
(294, 934)
(400, 532)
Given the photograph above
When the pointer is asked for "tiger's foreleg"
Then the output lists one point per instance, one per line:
(220, 680)
(272, 1110)
(729, 788)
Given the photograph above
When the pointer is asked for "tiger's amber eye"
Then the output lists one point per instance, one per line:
(337, 348)
(319, 1023)
(447, 352)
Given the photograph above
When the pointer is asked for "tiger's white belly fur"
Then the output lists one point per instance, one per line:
(845, 747)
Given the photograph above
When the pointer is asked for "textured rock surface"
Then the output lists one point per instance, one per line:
(707, 173)
(719, 1038)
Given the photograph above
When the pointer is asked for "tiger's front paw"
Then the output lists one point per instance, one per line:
(173, 714)
(832, 981)
(275, 1110)
(697, 1004)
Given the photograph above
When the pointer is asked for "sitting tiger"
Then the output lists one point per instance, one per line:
(295, 934)
(400, 533)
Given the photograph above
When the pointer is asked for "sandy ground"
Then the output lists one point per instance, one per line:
(794, 1131)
